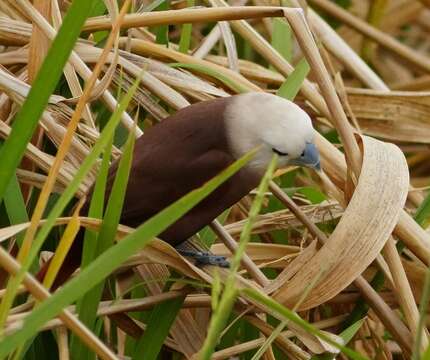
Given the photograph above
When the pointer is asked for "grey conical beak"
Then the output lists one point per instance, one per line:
(309, 158)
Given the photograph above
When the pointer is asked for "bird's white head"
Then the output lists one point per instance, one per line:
(278, 125)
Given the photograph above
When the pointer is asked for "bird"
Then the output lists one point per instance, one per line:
(196, 143)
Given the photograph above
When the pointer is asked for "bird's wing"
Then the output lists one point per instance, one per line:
(152, 186)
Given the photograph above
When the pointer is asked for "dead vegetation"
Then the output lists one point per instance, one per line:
(353, 241)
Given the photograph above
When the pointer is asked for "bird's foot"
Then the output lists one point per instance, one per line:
(205, 258)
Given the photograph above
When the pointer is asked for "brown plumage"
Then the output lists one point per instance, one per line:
(179, 155)
(195, 144)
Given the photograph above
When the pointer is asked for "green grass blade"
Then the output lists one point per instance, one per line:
(361, 307)
(162, 31)
(291, 86)
(248, 332)
(47, 78)
(426, 355)
(112, 258)
(96, 207)
(152, 6)
(99, 8)
(350, 332)
(95, 210)
(422, 214)
(66, 196)
(346, 336)
(185, 40)
(281, 326)
(161, 319)
(15, 205)
(293, 317)
(222, 312)
(282, 40)
(425, 297)
(238, 88)
(86, 166)
(90, 302)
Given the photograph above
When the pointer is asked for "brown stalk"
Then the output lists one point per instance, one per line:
(263, 47)
(282, 341)
(40, 293)
(343, 52)
(351, 146)
(79, 65)
(39, 42)
(184, 16)
(67, 140)
(407, 229)
(371, 32)
(39, 45)
(417, 84)
(237, 349)
(70, 72)
(63, 344)
(387, 316)
(382, 312)
(414, 237)
(14, 32)
(328, 91)
(112, 307)
(148, 48)
(247, 263)
(403, 290)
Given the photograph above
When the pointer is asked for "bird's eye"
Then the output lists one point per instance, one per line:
(302, 154)
(280, 153)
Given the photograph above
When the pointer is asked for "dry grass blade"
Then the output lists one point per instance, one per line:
(406, 298)
(230, 45)
(145, 47)
(231, 244)
(69, 71)
(395, 115)
(337, 46)
(338, 220)
(40, 293)
(284, 219)
(63, 247)
(64, 147)
(384, 40)
(185, 16)
(390, 320)
(39, 43)
(371, 178)
(304, 36)
(185, 330)
(62, 151)
(262, 46)
(79, 65)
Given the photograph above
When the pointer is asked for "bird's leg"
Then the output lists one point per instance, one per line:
(203, 257)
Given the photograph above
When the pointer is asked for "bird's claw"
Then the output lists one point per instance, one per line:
(205, 258)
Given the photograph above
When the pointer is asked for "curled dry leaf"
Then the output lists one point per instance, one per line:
(376, 203)
(361, 233)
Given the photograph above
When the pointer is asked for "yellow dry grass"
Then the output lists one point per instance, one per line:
(369, 185)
